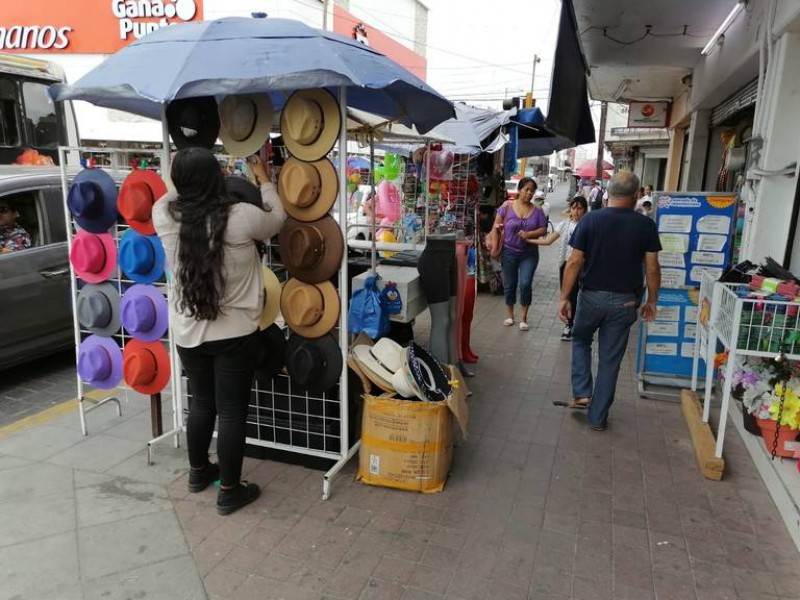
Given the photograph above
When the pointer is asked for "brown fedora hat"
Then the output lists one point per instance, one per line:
(245, 123)
(310, 310)
(308, 190)
(311, 252)
(310, 123)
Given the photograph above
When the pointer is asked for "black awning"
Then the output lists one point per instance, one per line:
(568, 115)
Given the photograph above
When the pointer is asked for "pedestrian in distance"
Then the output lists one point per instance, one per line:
(609, 249)
(519, 222)
(218, 296)
(563, 232)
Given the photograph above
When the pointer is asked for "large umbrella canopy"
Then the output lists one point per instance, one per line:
(535, 139)
(590, 173)
(238, 55)
(592, 164)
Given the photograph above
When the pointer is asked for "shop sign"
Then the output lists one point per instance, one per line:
(648, 114)
(101, 27)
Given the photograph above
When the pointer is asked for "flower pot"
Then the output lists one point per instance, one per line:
(750, 422)
(785, 435)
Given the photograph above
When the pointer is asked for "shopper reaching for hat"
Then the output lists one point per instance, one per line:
(218, 297)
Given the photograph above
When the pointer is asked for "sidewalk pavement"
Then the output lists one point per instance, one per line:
(537, 506)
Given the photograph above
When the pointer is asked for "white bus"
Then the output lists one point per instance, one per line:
(32, 126)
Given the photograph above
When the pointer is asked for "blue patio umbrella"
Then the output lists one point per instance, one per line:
(358, 162)
(238, 55)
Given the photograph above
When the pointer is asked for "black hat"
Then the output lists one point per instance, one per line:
(240, 189)
(272, 357)
(314, 365)
(428, 373)
(193, 122)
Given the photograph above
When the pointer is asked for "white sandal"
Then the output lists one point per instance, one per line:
(508, 322)
(523, 326)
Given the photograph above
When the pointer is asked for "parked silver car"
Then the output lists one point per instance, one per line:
(34, 283)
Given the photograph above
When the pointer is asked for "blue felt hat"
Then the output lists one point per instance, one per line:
(141, 257)
(92, 200)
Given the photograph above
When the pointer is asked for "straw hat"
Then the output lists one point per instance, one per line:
(314, 365)
(310, 310)
(193, 122)
(100, 362)
(308, 190)
(145, 314)
(245, 123)
(97, 308)
(93, 256)
(272, 298)
(146, 366)
(310, 123)
(92, 200)
(139, 191)
(380, 362)
(311, 252)
(141, 257)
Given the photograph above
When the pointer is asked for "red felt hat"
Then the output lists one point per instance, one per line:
(146, 366)
(140, 190)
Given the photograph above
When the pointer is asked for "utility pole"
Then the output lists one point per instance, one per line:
(324, 15)
(529, 103)
(601, 139)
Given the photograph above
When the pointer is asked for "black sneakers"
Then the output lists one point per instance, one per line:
(231, 500)
(200, 480)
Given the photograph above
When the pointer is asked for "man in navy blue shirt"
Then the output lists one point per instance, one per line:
(614, 250)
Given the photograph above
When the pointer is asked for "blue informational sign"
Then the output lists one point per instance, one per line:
(696, 232)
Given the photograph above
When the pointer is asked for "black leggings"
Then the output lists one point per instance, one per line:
(573, 295)
(437, 270)
(220, 377)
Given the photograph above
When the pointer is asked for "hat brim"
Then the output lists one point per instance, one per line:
(157, 188)
(333, 367)
(114, 351)
(205, 138)
(411, 383)
(273, 354)
(272, 299)
(111, 258)
(331, 260)
(329, 318)
(163, 367)
(161, 324)
(330, 129)
(417, 354)
(109, 290)
(155, 273)
(258, 136)
(108, 187)
(401, 385)
(329, 190)
(372, 369)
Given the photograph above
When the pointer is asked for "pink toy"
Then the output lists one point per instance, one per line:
(441, 163)
(388, 201)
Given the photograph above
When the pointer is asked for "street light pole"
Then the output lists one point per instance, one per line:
(529, 102)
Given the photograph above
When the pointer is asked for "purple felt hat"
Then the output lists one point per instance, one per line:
(144, 312)
(100, 362)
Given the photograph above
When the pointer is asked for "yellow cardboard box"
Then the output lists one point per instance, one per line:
(409, 445)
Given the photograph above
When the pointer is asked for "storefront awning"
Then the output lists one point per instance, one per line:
(568, 115)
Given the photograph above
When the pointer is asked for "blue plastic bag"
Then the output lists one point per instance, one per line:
(367, 313)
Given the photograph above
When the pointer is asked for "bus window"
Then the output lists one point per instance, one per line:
(9, 109)
(41, 122)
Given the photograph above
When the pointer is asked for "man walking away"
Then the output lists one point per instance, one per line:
(609, 248)
(596, 196)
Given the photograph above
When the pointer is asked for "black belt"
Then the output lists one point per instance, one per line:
(591, 289)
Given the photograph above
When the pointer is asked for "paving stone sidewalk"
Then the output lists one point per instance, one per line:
(537, 507)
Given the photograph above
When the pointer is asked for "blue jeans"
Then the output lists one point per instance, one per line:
(612, 314)
(518, 270)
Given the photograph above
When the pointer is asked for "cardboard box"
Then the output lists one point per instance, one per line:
(407, 444)
(409, 287)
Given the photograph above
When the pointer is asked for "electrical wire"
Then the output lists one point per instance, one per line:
(647, 33)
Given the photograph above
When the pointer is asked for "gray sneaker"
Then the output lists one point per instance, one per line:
(566, 335)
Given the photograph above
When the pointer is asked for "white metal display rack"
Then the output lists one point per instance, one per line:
(748, 327)
(120, 282)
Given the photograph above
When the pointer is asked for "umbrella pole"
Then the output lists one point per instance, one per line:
(427, 193)
(374, 253)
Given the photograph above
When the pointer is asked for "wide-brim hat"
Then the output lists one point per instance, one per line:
(314, 365)
(92, 200)
(310, 309)
(427, 376)
(272, 353)
(308, 190)
(272, 298)
(100, 362)
(145, 314)
(193, 122)
(137, 195)
(380, 361)
(240, 189)
(146, 366)
(402, 386)
(141, 257)
(311, 252)
(382, 381)
(310, 123)
(98, 308)
(93, 256)
(245, 122)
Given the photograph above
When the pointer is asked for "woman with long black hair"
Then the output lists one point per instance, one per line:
(215, 276)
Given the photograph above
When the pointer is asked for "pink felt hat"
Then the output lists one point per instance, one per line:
(93, 256)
